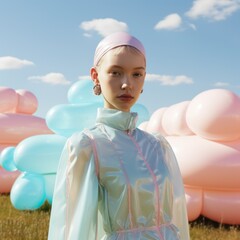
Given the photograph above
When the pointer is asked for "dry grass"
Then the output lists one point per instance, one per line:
(33, 225)
(22, 225)
(205, 229)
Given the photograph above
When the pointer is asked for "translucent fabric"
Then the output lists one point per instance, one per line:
(117, 182)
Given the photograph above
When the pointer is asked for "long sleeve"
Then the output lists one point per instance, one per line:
(179, 208)
(74, 211)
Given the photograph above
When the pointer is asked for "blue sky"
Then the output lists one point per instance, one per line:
(192, 45)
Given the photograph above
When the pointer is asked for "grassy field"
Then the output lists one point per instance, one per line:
(33, 225)
(22, 225)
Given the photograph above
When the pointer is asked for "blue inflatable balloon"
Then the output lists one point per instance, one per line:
(28, 192)
(39, 154)
(49, 186)
(66, 119)
(143, 113)
(6, 159)
(82, 92)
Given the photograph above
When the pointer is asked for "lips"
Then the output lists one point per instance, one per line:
(125, 97)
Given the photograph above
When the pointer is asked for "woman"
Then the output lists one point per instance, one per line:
(115, 181)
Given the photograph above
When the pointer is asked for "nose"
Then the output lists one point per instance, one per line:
(126, 83)
(124, 86)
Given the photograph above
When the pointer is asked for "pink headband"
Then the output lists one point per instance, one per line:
(115, 40)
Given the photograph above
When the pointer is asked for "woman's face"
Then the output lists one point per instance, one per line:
(121, 75)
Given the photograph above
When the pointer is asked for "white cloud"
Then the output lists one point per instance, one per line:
(213, 9)
(104, 26)
(86, 77)
(170, 22)
(169, 80)
(221, 84)
(9, 62)
(87, 35)
(52, 78)
(192, 26)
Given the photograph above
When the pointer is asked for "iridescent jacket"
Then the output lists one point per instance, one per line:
(116, 181)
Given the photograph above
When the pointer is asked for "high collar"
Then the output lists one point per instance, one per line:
(125, 121)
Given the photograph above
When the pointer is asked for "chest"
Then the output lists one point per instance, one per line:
(130, 159)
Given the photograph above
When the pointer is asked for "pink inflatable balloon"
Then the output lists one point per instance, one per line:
(16, 127)
(223, 207)
(155, 122)
(209, 160)
(16, 124)
(8, 100)
(210, 172)
(174, 120)
(27, 102)
(207, 164)
(215, 115)
(194, 202)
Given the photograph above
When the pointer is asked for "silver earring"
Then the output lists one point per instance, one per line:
(97, 89)
(141, 91)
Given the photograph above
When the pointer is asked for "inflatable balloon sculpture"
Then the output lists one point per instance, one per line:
(37, 157)
(205, 136)
(16, 124)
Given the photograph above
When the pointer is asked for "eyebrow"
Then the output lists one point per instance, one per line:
(137, 68)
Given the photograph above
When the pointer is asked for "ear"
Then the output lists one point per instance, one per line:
(94, 75)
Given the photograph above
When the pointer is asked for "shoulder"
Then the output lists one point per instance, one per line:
(156, 139)
(78, 141)
(82, 138)
(163, 142)
(149, 136)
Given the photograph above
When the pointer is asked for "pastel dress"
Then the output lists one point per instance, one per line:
(117, 182)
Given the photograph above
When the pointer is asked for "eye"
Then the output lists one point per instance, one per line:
(137, 74)
(115, 73)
